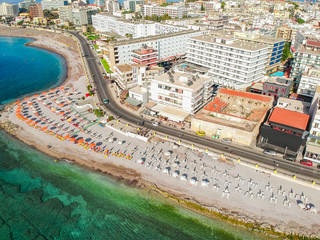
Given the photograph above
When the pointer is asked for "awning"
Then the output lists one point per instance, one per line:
(133, 102)
(171, 113)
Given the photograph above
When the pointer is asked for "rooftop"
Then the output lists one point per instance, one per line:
(183, 79)
(293, 105)
(279, 80)
(233, 42)
(245, 95)
(289, 118)
(124, 67)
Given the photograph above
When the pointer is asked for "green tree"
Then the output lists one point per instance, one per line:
(286, 52)
(223, 4)
(202, 7)
(300, 20)
(165, 17)
(296, 6)
(20, 23)
(98, 112)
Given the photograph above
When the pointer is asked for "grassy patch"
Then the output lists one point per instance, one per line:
(93, 37)
(106, 65)
(96, 46)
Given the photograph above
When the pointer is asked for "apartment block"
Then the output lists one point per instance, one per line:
(276, 46)
(36, 11)
(172, 11)
(168, 46)
(181, 90)
(277, 87)
(9, 10)
(286, 33)
(53, 4)
(312, 151)
(137, 28)
(25, 5)
(146, 55)
(232, 62)
(130, 5)
(309, 82)
(77, 15)
(305, 56)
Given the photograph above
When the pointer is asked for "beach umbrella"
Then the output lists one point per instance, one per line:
(92, 145)
(30, 121)
(53, 128)
(88, 139)
(45, 128)
(51, 90)
(72, 139)
(99, 144)
(66, 137)
(81, 140)
(38, 121)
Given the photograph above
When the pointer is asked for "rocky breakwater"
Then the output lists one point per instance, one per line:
(9, 127)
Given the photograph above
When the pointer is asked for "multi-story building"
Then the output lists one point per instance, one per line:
(53, 4)
(234, 115)
(286, 33)
(25, 5)
(136, 28)
(181, 90)
(168, 46)
(232, 62)
(36, 11)
(172, 11)
(146, 55)
(307, 54)
(293, 105)
(285, 131)
(123, 73)
(99, 3)
(77, 15)
(9, 10)
(112, 6)
(276, 46)
(309, 82)
(277, 87)
(130, 5)
(312, 151)
(82, 16)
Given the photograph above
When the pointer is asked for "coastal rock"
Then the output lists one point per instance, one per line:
(9, 127)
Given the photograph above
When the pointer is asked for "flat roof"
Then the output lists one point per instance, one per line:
(240, 44)
(197, 82)
(289, 118)
(124, 67)
(133, 102)
(170, 112)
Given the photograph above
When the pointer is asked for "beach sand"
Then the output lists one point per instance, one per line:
(246, 205)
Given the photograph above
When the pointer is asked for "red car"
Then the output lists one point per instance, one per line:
(306, 162)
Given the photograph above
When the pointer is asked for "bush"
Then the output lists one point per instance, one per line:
(98, 112)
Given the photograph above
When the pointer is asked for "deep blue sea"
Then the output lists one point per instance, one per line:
(27, 69)
(41, 199)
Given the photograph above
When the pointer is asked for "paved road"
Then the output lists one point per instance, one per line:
(251, 155)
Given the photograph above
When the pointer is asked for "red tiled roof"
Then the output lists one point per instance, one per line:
(215, 105)
(289, 118)
(313, 43)
(246, 95)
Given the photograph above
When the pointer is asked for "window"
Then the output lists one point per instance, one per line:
(283, 90)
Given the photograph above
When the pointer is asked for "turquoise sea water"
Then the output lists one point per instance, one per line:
(41, 199)
(27, 69)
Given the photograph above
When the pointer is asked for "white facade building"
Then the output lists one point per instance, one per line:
(232, 62)
(309, 82)
(112, 6)
(181, 90)
(167, 46)
(172, 11)
(138, 29)
(10, 10)
(53, 4)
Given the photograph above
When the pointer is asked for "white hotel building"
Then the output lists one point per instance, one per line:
(168, 45)
(137, 28)
(309, 82)
(181, 91)
(172, 11)
(232, 62)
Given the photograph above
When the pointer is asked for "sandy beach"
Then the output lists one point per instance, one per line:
(245, 194)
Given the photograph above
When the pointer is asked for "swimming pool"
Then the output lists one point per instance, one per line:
(277, 74)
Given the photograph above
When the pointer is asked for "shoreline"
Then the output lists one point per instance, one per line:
(134, 179)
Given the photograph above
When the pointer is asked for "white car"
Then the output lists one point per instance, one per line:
(156, 124)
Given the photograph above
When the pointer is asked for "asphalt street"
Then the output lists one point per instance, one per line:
(251, 155)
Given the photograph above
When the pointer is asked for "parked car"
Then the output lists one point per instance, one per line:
(201, 133)
(290, 158)
(306, 162)
(156, 124)
(270, 152)
(106, 101)
(226, 140)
